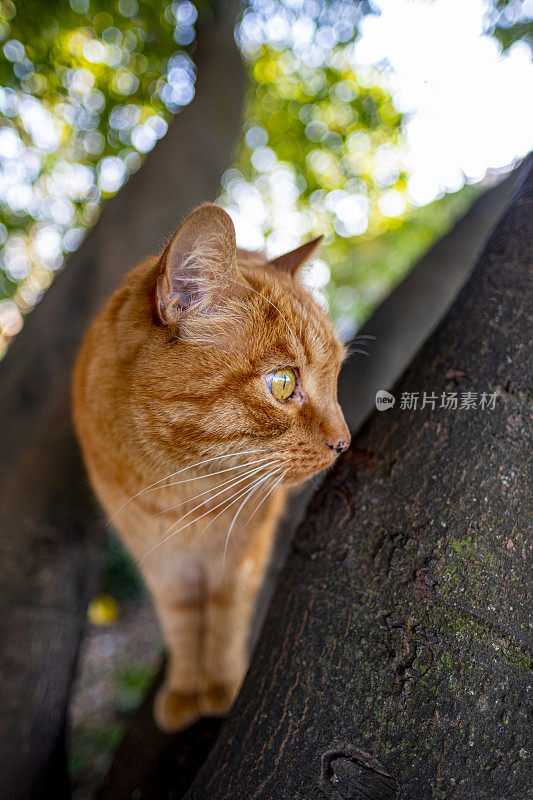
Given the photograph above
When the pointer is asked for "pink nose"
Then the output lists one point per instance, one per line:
(339, 445)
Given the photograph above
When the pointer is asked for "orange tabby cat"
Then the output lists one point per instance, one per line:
(207, 383)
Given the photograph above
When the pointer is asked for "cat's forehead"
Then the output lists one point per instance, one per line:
(291, 321)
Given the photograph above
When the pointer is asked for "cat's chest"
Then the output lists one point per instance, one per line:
(198, 515)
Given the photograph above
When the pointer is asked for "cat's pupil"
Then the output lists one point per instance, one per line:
(283, 383)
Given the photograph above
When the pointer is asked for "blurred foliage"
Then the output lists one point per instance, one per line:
(131, 686)
(323, 152)
(90, 752)
(505, 21)
(85, 91)
(87, 87)
(121, 576)
(99, 735)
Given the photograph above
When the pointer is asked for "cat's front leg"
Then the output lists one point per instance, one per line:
(178, 592)
(176, 705)
(225, 642)
(206, 655)
(229, 612)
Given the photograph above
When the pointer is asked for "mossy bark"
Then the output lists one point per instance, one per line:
(395, 660)
(51, 534)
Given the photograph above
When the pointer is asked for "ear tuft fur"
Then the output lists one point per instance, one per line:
(198, 266)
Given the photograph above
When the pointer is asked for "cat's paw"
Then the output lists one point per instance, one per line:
(217, 700)
(175, 711)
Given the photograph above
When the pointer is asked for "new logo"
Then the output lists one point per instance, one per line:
(384, 400)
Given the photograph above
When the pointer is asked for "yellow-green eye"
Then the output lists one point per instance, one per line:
(283, 383)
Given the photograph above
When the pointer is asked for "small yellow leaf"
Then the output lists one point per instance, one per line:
(102, 610)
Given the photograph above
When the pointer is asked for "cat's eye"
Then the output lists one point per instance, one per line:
(282, 383)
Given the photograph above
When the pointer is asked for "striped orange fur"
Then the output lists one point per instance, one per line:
(187, 448)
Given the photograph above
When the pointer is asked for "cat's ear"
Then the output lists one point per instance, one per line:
(198, 266)
(291, 262)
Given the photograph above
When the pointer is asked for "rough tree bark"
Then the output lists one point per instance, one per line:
(394, 660)
(52, 538)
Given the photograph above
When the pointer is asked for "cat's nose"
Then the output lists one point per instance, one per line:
(338, 445)
(336, 432)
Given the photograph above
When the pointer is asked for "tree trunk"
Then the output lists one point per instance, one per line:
(52, 537)
(394, 660)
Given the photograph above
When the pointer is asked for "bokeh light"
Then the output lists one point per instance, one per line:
(464, 99)
(369, 122)
(372, 128)
(84, 94)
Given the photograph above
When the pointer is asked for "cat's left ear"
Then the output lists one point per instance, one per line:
(291, 262)
(199, 266)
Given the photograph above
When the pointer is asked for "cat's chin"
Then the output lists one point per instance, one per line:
(297, 477)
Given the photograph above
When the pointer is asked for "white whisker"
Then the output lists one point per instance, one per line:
(267, 487)
(233, 481)
(256, 484)
(239, 510)
(191, 466)
(208, 474)
(270, 490)
(239, 480)
(233, 521)
(191, 521)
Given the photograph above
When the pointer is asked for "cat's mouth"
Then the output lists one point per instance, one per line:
(300, 472)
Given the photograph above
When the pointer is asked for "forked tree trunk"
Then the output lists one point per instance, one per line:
(52, 538)
(394, 660)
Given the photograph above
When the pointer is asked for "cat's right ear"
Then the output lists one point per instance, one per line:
(198, 266)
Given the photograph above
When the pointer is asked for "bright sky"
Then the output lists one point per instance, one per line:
(472, 108)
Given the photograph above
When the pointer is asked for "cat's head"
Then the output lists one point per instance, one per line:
(240, 357)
